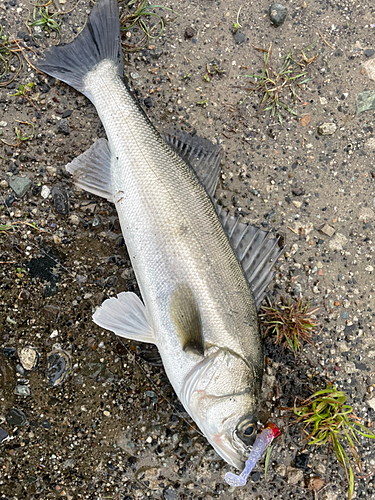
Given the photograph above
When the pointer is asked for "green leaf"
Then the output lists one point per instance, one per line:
(266, 462)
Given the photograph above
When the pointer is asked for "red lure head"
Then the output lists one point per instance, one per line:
(275, 430)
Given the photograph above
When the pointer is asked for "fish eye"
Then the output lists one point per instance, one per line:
(246, 431)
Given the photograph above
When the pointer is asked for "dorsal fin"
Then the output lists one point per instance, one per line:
(203, 156)
(185, 315)
(256, 252)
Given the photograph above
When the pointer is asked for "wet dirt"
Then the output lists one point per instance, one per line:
(113, 428)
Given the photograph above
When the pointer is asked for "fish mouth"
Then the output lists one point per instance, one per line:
(225, 449)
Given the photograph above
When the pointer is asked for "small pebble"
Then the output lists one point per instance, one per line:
(156, 53)
(365, 101)
(315, 483)
(301, 461)
(278, 14)
(51, 312)
(16, 417)
(189, 33)
(294, 476)
(60, 200)
(328, 230)
(239, 37)
(29, 357)
(59, 365)
(327, 128)
(298, 191)
(20, 185)
(45, 192)
(63, 127)
(255, 476)
(74, 219)
(22, 390)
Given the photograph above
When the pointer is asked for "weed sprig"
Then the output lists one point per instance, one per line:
(24, 91)
(141, 14)
(21, 136)
(328, 420)
(43, 17)
(278, 87)
(8, 50)
(290, 322)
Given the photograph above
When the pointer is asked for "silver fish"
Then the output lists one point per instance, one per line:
(201, 272)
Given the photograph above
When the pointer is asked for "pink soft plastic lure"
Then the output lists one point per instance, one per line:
(262, 441)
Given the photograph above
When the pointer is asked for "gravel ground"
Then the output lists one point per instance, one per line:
(97, 418)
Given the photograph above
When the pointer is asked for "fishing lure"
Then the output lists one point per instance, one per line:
(262, 441)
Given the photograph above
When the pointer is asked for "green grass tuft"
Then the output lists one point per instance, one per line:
(329, 420)
(277, 88)
(290, 322)
(140, 14)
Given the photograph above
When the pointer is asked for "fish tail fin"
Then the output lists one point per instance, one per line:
(99, 40)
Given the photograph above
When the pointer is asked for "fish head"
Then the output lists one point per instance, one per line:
(222, 395)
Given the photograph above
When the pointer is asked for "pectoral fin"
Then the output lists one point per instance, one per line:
(92, 170)
(185, 315)
(125, 316)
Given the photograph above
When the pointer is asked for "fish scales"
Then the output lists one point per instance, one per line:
(170, 227)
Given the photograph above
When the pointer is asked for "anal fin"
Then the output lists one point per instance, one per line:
(92, 170)
(185, 315)
(125, 316)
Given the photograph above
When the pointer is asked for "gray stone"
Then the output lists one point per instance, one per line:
(278, 14)
(20, 185)
(22, 390)
(294, 476)
(3, 435)
(51, 312)
(369, 52)
(60, 200)
(16, 417)
(239, 37)
(170, 494)
(156, 53)
(59, 365)
(63, 127)
(365, 101)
